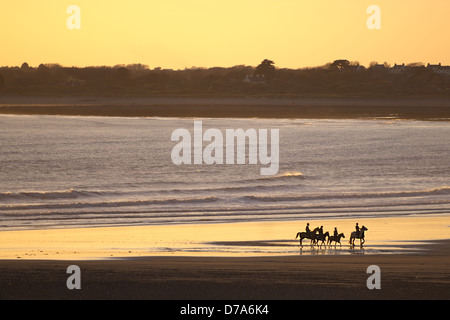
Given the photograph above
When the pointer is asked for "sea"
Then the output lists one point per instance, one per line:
(73, 171)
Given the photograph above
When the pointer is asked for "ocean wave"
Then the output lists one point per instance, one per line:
(49, 195)
(289, 174)
(230, 189)
(80, 219)
(109, 204)
(395, 194)
(39, 196)
(284, 175)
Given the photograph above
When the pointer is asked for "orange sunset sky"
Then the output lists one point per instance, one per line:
(206, 33)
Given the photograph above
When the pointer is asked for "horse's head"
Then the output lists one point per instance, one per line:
(315, 230)
(342, 235)
(326, 234)
(364, 228)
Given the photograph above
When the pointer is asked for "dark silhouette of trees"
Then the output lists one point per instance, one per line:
(339, 65)
(339, 78)
(123, 74)
(44, 74)
(266, 69)
(416, 64)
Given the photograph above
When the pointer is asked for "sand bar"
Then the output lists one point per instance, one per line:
(231, 107)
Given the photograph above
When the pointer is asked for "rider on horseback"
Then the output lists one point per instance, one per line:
(358, 234)
(321, 231)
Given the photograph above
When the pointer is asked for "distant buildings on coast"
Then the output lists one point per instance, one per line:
(438, 68)
(402, 68)
(377, 67)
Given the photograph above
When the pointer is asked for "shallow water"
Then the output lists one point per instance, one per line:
(398, 235)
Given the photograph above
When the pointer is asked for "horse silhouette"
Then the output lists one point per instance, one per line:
(336, 239)
(307, 235)
(359, 236)
(321, 237)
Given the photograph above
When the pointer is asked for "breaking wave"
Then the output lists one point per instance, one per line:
(110, 204)
(284, 176)
(50, 195)
(400, 194)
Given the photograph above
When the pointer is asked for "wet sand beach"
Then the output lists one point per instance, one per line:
(412, 276)
(412, 269)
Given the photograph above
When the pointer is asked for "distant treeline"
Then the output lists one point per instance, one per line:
(340, 78)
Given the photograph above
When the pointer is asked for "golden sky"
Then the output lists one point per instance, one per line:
(206, 33)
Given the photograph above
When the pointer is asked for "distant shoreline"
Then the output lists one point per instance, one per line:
(229, 107)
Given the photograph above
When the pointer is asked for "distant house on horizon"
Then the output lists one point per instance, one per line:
(250, 78)
(399, 68)
(378, 67)
(438, 68)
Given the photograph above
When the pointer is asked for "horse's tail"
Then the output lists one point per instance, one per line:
(298, 233)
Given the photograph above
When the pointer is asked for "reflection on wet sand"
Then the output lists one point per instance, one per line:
(263, 239)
